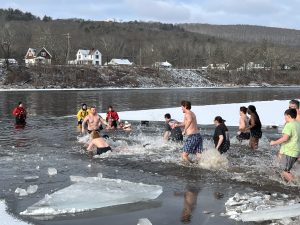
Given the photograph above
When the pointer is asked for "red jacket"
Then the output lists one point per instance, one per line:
(112, 115)
(19, 112)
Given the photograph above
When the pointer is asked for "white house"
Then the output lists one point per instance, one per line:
(218, 66)
(88, 57)
(120, 62)
(165, 64)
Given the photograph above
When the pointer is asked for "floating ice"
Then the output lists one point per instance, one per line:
(144, 221)
(52, 171)
(276, 213)
(7, 219)
(31, 178)
(92, 193)
(21, 192)
(32, 189)
(260, 207)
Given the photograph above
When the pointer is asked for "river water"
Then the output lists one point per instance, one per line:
(50, 139)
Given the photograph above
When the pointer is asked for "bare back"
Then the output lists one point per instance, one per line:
(190, 123)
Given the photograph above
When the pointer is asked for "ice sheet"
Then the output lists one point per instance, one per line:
(92, 193)
(276, 213)
(7, 219)
(270, 112)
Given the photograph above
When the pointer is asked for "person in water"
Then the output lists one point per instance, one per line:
(93, 120)
(294, 104)
(193, 144)
(20, 114)
(290, 142)
(112, 118)
(98, 142)
(172, 134)
(221, 136)
(243, 134)
(81, 114)
(254, 127)
(125, 126)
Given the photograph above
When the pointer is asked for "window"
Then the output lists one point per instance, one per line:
(97, 56)
(43, 54)
(79, 57)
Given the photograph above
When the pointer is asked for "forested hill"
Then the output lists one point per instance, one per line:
(247, 33)
(146, 42)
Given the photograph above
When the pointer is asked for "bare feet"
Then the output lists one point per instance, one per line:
(288, 177)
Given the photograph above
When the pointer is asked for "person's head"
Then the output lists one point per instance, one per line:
(20, 104)
(185, 105)
(251, 109)
(167, 116)
(294, 104)
(290, 114)
(127, 125)
(218, 120)
(243, 110)
(84, 106)
(110, 108)
(93, 109)
(121, 124)
(95, 134)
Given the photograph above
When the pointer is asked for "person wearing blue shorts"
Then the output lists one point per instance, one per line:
(194, 143)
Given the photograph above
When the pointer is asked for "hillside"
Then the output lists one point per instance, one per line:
(184, 46)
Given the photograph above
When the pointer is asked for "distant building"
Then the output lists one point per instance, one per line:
(119, 62)
(34, 57)
(165, 64)
(253, 66)
(218, 66)
(88, 57)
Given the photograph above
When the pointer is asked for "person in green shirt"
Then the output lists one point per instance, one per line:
(290, 142)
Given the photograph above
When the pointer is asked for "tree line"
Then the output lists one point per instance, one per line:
(145, 43)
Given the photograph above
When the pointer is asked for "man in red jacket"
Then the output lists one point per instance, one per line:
(20, 114)
(112, 117)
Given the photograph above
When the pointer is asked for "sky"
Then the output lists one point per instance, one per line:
(272, 13)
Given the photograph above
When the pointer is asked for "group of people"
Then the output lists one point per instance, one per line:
(89, 120)
(250, 128)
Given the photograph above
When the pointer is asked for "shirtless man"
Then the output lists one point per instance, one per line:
(193, 143)
(294, 104)
(93, 120)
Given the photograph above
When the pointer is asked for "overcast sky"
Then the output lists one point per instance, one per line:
(275, 13)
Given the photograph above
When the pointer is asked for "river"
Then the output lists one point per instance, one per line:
(50, 139)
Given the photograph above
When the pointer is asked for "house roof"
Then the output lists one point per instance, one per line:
(87, 52)
(33, 55)
(43, 48)
(120, 62)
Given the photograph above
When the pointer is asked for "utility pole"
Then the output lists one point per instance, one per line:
(68, 46)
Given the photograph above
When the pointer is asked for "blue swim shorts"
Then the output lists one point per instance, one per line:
(193, 144)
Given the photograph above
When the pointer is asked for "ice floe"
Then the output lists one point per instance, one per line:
(206, 113)
(93, 193)
(259, 206)
(52, 171)
(7, 219)
(144, 221)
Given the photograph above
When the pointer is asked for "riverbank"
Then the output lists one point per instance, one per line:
(82, 77)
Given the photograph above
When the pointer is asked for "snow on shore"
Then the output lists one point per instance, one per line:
(270, 112)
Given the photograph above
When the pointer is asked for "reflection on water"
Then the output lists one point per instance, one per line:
(189, 203)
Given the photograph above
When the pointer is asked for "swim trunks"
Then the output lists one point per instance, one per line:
(193, 144)
(289, 162)
(90, 131)
(243, 136)
(103, 150)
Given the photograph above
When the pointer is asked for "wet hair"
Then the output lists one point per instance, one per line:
(291, 112)
(93, 106)
(294, 102)
(186, 104)
(243, 109)
(252, 108)
(219, 119)
(19, 103)
(95, 134)
(167, 116)
(110, 107)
